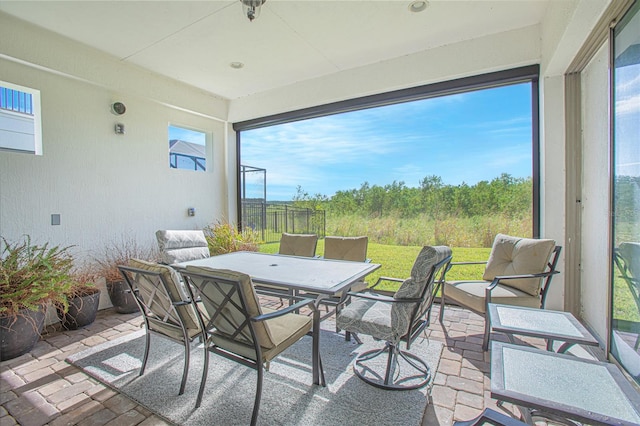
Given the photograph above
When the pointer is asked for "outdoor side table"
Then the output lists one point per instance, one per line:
(547, 324)
(588, 391)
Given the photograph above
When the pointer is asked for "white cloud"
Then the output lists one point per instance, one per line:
(629, 105)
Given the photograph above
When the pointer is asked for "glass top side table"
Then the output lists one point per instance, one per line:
(532, 322)
(588, 391)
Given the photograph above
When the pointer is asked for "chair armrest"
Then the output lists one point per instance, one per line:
(481, 262)
(287, 310)
(383, 298)
(397, 280)
(497, 279)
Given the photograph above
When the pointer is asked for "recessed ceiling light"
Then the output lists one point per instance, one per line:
(236, 65)
(418, 6)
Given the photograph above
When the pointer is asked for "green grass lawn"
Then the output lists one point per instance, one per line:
(397, 261)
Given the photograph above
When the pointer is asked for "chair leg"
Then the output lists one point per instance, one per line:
(487, 332)
(256, 404)
(441, 314)
(419, 376)
(391, 364)
(203, 380)
(146, 352)
(185, 369)
(318, 373)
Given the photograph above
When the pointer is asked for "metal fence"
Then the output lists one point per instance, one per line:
(271, 220)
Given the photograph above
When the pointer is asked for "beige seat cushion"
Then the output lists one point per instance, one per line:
(298, 244)
(472, 295)
(175, 288)
(228, 323)
(346, 248)
(285, 330)
(515, 256)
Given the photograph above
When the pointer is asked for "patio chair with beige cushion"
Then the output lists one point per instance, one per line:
(353, 249)
(182, 246)
(298, 244)
(239, 329)
(303, 245)
(396, 319)
(518, 272)
(165, 305)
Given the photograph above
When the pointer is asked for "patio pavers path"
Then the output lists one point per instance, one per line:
(40, 388)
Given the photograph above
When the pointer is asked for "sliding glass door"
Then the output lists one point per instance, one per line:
(625, 324)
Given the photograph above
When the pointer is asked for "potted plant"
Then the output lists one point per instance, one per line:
(31, 276)
(223, 237)
(119, 253)
(83, 298)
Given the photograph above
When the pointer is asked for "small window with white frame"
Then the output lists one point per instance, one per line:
(20, 121)
(187, 149)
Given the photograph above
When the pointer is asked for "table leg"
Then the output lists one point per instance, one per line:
(487, 333)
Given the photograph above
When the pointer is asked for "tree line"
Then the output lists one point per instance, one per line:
(504, 195)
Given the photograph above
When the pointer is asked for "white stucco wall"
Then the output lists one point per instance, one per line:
(553, 177)
(595, 194)
(105, 186)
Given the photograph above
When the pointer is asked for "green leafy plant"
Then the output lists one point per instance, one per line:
(224, 238)
(33, 275)
(82, 283)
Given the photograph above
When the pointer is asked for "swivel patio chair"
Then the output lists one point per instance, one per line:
(400, 318)
(518, 272)
(239, 329)
(627, 259)
(182, 246)
(165, 306)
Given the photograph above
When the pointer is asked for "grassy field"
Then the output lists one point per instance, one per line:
(477, 231)
(397, 261)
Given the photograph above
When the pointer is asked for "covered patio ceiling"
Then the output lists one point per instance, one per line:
(196, 42)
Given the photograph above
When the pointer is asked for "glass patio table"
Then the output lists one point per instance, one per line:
(541, 382)
(550, 325)
(324, 277)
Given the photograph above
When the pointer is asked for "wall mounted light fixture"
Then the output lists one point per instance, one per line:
(118, 108)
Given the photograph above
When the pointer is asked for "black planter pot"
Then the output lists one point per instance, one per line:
(121, 297)
(19, 337)
(82, 311)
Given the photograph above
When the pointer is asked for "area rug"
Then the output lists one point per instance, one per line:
(288, 395)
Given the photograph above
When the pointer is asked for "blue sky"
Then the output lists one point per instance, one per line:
(187, 135)
(466, 137)
(628, 120)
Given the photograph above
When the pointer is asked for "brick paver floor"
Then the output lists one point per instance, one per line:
(40, 388)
